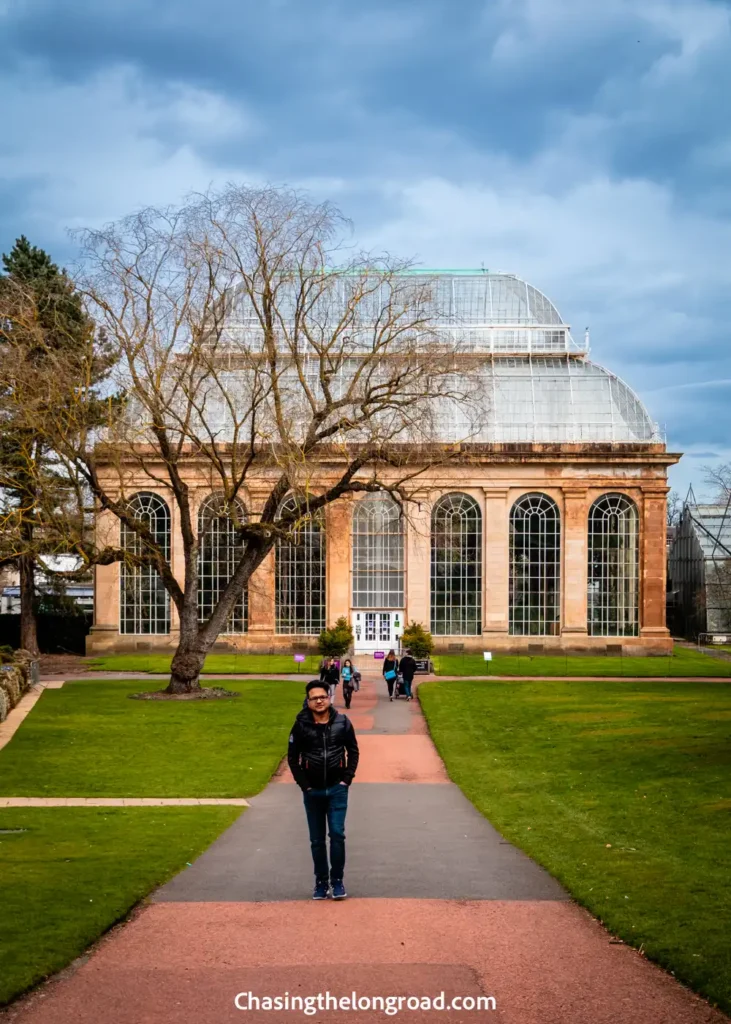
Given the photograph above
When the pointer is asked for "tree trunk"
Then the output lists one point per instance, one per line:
(186, 668)
(28, 621)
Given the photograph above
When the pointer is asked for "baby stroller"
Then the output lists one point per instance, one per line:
(398, 686)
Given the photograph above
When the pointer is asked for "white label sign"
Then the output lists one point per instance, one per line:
(487, 655)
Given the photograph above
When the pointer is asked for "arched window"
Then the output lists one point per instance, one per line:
(535, 566)
(613, 587)
(218, 552)
(300, 578)
(378, 553)
(456, 567)
(144, 604)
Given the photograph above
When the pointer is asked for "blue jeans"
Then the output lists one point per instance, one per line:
(327, 807)
(407, 686)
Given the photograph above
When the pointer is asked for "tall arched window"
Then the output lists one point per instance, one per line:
(613, 587)
(144, 604)
(300, 578)
(456, 566)
(535, 566)
(378, 553)
(218, 552)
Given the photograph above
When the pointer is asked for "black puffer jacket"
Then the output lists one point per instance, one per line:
(322, 755)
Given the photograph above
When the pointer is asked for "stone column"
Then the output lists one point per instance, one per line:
(261, 603)
(575, 565)
(495, 561)
(338, 529)
(261, 591)
(105, 631)
(653, 565)
(418, 562)
(177, 563)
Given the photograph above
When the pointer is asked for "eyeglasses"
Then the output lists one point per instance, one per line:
(314, 700)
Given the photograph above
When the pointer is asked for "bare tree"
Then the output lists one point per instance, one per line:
(718, 478)
(252, 348)
(674, 508)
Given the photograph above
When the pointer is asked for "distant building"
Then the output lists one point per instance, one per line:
(699, 571)
(81, 592)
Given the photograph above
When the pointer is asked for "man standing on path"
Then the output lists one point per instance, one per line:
(407, 668)
(323, 758)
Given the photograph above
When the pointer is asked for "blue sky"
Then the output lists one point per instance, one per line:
(585, 147)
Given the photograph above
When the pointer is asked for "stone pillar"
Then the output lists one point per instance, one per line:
(495, 561)
(575, 563)
(105, 631)
(418, 562)
(261, 603)
(177, 563)
(261, 590)
(338, 529)
(653, 565)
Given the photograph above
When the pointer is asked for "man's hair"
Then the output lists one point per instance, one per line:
(407, 651)
(315, 684)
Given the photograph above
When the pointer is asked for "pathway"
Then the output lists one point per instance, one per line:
(439, 902)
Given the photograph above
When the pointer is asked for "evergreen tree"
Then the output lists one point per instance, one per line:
(41, 315)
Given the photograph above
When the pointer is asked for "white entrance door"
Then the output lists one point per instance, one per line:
(377, 631)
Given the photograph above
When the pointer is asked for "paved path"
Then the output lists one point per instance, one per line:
(439, 903)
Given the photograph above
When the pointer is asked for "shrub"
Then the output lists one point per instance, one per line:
(337, 640)
(418, 640)
(6, 654)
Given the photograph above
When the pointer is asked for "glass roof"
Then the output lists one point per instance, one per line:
(538, 385)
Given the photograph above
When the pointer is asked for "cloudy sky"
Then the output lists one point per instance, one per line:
(585, 147)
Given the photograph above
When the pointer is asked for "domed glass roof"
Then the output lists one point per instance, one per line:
(538, 384)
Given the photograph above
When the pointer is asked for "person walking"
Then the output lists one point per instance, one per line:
(390, 671)
(408, 670)
(323, 758)
(351, 681)
(330, 676)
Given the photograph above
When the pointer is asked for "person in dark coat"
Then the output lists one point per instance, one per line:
(407, 667)
(323, 758)
(330, 676)
(390, 668)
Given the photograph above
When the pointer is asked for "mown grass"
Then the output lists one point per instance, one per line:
(621, 790)
(215, 664)
(683, 662)
(71, 873)
(90, 739)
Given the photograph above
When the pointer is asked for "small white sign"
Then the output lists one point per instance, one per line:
(487, 655)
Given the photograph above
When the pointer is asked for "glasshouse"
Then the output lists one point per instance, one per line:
(546, 533)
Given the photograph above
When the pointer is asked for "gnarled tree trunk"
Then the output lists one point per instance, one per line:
(186, 668)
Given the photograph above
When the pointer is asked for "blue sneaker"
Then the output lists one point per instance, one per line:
(339, 892)
(322, 890)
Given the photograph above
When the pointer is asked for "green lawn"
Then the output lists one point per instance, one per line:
(89, 739)
(621, 790)
(683, 662)
(216, 664)
(73, 872)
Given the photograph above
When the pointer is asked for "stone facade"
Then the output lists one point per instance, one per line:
(495, 476)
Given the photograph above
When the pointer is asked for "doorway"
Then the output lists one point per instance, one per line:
(376, 631)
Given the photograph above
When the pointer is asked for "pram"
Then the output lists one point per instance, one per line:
(398, 686)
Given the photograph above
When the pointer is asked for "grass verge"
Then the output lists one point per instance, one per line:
(73, 872)
(683, 662)
(621, 791)
(215, 664)
(90, 739)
